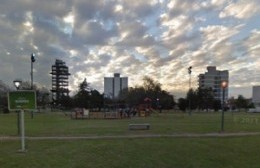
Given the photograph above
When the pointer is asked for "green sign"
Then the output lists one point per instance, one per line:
(22, 100)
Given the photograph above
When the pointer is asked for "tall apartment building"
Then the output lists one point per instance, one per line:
(256, 96)
(212, 79)
(113, 85)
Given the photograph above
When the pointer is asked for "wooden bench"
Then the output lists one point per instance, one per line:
(139, 126)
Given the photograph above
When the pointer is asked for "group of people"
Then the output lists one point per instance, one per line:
(132, 112)
(127, 112)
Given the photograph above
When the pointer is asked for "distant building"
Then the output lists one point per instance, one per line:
(60, 81)
(113, 85)
(212, 79)
(256, 96)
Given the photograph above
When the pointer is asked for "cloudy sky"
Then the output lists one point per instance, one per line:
(157, 38)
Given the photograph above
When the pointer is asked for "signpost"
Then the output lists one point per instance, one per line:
(22, 100)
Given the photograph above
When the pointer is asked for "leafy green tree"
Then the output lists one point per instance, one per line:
(166, 100)
(43, 97)
(87, 97)
(241, 102)
(82, 98)
(96, 99)
(3, 96)
(205, 98)
(66, 102)
(251, 105)
(216, 104)
(150, 89)
(182, 104)
(132, 96)
(150, 85)
(202, 99)
(192, 99)
(26, 85)
(232, 103)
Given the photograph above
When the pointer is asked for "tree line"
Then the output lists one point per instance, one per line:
(203, 99)
(89, 98)
(86, 97)
(151, 90)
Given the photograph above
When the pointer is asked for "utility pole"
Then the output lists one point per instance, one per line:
(189, 71)
(224, 85)
(32, 61)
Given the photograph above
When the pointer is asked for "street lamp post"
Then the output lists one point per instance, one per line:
(20, 120)
(32, 61)
(189, 71)
(158, 105)
(17, 84)
(224, 85)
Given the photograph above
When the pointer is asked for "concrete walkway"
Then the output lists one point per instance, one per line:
(184, 135)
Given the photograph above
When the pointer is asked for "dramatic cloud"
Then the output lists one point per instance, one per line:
(157, 38)
(242, 9)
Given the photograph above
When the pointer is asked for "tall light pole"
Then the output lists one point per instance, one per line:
(17, 84)
(32, 61)
(224, 85)
(189, 71)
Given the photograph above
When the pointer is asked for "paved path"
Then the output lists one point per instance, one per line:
(185, 135)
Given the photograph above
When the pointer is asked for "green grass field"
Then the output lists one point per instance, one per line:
(132, 152)
(57, 124)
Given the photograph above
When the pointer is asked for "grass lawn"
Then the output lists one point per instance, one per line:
(237, 152)
(204, 152)
(57, 124)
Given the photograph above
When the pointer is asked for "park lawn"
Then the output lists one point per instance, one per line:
(132, 152)
(224, 152)
(58, 124)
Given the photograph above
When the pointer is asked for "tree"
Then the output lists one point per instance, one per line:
(132, 96)
(26, 85)
(202, 98)
(205, 98)
(96, 99)
(3, 96)
(84, 86)
(88, 98)
(232, 103)
(241, 102)
(43, 97)
(192, 99)
(150, 89)
(82, 98)
(216, 104)
(182, 104)
(150, 85)
(158, 96)
(166, 100)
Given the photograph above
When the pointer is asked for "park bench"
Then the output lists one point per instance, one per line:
(139, 126)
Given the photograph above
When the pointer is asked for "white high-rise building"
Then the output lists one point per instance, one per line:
(113, 85)
(212, 79)
(256, 96)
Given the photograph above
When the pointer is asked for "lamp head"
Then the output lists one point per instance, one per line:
(17, 83)
(189, 69)
(33, 57)
(224, 84)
